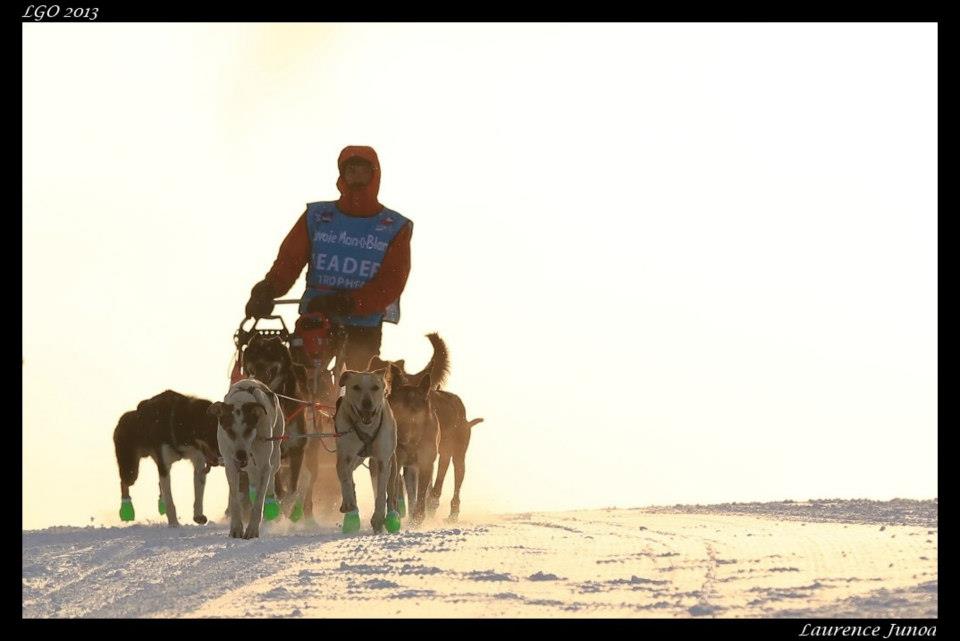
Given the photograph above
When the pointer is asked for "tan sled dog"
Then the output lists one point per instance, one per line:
(368, 430)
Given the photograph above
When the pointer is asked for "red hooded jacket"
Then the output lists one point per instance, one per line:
(388, 283)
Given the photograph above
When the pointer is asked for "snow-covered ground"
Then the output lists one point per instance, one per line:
(810, 559)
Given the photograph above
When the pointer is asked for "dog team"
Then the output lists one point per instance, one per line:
(277, 461)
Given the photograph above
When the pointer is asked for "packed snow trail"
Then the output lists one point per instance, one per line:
(599, 563)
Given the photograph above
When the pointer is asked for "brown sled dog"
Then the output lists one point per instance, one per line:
(450, 412)
(418, 440)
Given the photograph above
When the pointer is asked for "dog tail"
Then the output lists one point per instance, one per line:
(439, 365)
(475, 421)
(125, 445)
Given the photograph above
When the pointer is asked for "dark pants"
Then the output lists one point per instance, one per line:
(360, 344)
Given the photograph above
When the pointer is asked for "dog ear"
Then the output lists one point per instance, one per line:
(253, 412)
(253, 407)
(216, 409)
(345, 376)
(387, 381)
(396, 374)
(401, 364)
(425, 384)
(376, 363)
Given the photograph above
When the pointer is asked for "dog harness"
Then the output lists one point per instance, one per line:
(297, 412)
(367, 449)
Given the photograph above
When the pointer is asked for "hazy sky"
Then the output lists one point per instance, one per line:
(672, 262)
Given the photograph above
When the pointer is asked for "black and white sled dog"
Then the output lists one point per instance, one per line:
(168, 427)
(268, 360)
(250, 424)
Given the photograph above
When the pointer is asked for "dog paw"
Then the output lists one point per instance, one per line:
(236, 532)
(351, 522)
(392, 522)
(126, 510)
(173, 524)
(199, 519)
(271, 508)
(251, 533)
(297, 513)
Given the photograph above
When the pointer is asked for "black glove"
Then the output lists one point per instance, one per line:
(332, 304)
(261, 300)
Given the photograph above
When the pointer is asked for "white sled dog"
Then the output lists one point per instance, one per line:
(250, 424)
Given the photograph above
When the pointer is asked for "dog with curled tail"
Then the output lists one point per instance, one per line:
(250, 426)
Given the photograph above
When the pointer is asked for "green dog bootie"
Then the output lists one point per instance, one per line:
(402, 507)
(161, 506)
(351, 522)
(126, 510)
(297, 512)
(392, 522)
(271, 509)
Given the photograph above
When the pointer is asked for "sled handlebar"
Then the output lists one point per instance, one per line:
(242, 336)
